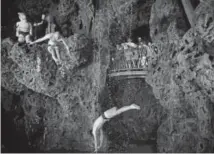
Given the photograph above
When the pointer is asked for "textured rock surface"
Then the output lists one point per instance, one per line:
(70, 100)
(182, 79)
(72, 95)
(8, 79)
(58, 105)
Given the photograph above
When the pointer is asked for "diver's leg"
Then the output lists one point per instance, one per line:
(38, 60)
(57, 53)
(126, 108)
(51, 50)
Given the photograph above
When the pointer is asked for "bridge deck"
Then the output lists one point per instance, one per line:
(129, 73)
(127, 69)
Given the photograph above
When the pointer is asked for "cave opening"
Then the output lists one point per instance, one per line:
(143, 32)
(96, 4)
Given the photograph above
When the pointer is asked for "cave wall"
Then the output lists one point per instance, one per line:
(61, 102)
(71, 97)
(181, 77)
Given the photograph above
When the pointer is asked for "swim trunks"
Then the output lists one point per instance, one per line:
(23, 33)
(104, 117)
(55, 46)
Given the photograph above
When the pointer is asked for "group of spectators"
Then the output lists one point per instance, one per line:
(130, 55)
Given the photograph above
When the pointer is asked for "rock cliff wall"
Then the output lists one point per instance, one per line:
(182, 77)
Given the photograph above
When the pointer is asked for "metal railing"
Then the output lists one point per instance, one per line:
(133, 59)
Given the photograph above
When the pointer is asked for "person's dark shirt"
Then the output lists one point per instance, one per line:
(40, 30)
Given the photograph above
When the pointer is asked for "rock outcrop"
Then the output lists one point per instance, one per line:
(182, 79)
(51, 98)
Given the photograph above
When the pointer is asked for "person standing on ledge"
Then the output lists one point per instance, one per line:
(106, 116)
(23, 28)
(40, 27)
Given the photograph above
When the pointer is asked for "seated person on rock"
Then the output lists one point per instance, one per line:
(106, 116)
(23, 28)
(40, 27)
(53, 45)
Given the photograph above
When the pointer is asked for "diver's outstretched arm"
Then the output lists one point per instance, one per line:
(101, 138)
(95, 141)
(46, 37)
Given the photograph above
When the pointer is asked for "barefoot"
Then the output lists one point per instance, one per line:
(134, 106)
